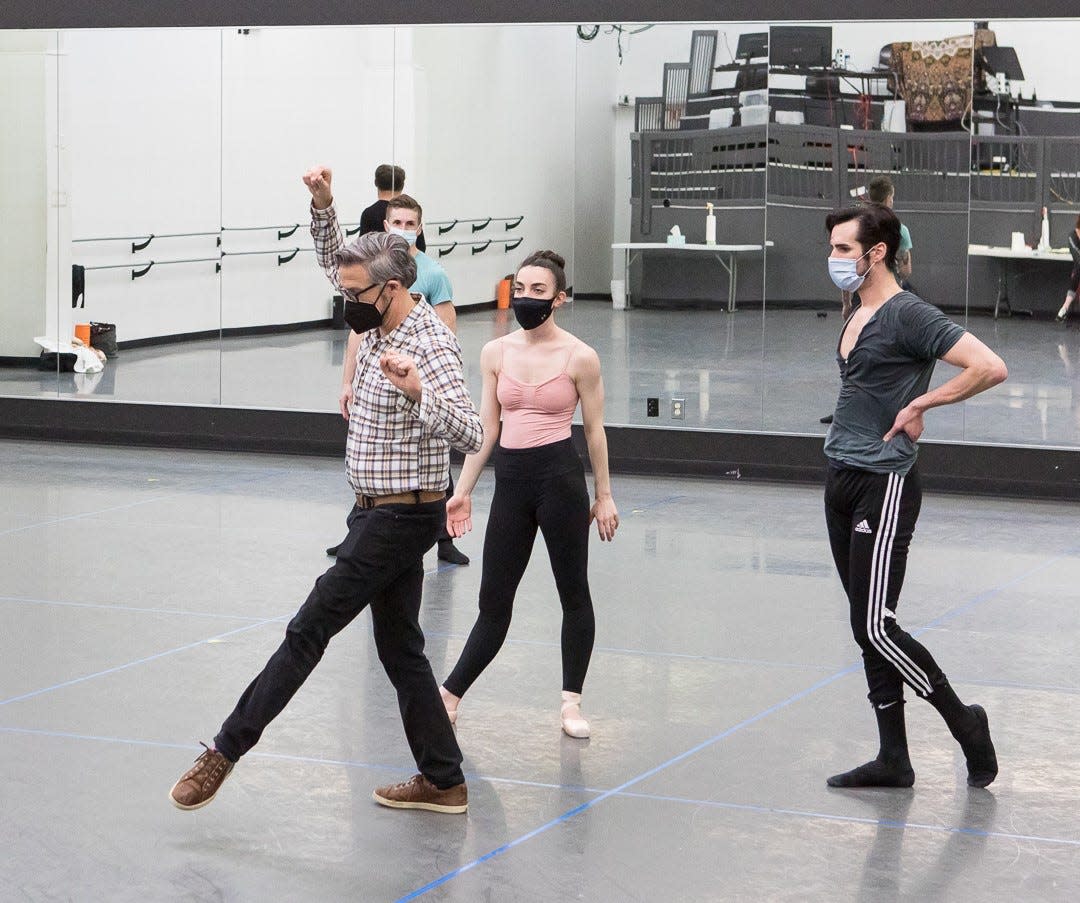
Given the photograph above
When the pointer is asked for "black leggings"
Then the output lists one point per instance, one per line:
(1074, 278)
(534, 487)
(871, 519)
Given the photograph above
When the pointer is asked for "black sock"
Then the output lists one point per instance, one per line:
(874, 774)
(892, 767)
(959, 718)
(979, 751)
(449, 552)
(970, 728)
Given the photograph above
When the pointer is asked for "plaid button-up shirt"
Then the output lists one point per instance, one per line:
(396, 444)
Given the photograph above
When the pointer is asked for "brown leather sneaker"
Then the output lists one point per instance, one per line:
(419, 793)
(200, 784)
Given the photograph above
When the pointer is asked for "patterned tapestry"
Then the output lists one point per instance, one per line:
(934, 78)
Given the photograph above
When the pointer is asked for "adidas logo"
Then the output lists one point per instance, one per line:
(863, 527)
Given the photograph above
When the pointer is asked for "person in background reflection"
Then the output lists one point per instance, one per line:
(1074, 276)
(389, 183)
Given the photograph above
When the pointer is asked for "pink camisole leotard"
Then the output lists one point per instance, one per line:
(534, 415)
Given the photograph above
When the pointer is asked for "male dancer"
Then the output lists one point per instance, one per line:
(886, 354)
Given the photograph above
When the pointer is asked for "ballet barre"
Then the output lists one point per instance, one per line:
(478, 247)
(477, 225)
(141, 268)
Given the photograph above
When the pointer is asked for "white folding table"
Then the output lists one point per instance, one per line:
(727, 255)
(1003, 257)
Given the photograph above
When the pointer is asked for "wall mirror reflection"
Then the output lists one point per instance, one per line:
(674, 115)
(861, 112)
(491, 143)
(28, 178)
(1023, 245)
(143, 196)
(180, 216)
(189, 221)
(483, 146)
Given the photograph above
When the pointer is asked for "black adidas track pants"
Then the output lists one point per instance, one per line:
(871, 519)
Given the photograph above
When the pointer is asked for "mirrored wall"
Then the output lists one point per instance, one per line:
(684, 171)
(684, 198)
(859, 108)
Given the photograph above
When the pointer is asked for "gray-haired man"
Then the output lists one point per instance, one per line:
(409, 406)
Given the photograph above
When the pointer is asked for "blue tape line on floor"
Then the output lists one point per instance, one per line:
(949, 615)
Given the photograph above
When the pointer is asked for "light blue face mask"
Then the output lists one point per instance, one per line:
(843, 273)
(408, 234)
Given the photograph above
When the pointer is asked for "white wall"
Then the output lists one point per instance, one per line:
(1048, 54)
(597, 115)
(25, 61)
(185, 130)
(292, 99)
(489, 131)
(142, 127)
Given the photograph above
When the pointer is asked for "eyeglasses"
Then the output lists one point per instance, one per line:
(356, 293)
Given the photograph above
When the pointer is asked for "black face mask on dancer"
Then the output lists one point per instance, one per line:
(531, 312)
(363, 317)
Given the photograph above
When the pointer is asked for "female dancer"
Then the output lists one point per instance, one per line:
(533, 381)
(1074, 276)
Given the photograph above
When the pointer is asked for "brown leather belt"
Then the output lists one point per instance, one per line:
(412, 497)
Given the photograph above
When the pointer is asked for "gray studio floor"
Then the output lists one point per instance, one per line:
(143, 588)
(713, 360)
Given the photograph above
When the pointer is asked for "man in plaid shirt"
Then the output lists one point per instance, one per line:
(409, 406)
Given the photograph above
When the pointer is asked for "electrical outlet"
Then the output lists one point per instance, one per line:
(678, 408)
(652, 407)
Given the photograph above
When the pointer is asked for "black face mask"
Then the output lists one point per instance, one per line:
(363, 317)
(531, 312)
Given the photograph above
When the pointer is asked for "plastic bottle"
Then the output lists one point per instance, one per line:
(710, 226)
(1044, 237)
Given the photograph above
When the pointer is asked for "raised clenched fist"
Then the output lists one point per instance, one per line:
(317, 180)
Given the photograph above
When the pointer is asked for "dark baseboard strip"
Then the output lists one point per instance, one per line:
(1017, 471)
(230, 333)
(19, 361)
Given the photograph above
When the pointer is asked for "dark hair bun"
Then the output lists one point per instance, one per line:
(550, 256)
(550, 261)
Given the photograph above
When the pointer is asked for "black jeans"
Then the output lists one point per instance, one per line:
(871, 519)
(541, 488)
(380, 563)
